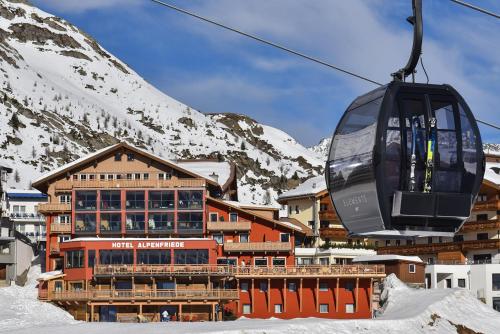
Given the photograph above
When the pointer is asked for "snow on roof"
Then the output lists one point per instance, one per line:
(50, 275)
(208, 168)
(388, 257)
(333, 251)
(253, 206)
(492, 172)
(311, 186)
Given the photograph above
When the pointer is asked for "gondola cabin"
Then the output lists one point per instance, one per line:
(406, 160)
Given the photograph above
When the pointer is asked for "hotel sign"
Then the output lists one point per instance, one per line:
(147, 244)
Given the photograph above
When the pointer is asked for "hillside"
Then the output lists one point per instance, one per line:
(63, 96)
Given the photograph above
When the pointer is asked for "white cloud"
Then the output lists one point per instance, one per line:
(79, 6)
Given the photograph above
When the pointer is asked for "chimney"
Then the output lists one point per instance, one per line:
(214, 177)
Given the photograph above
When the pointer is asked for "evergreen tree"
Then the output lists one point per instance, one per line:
(243, 146)
(14, 122)
(17, 178)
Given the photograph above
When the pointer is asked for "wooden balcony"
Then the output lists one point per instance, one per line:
(442, 247)
(60, 228)
(257, 247)
(312, 271)
(103, 270)
(333, 232)
(54, 249)
(481, 225)
(124, 183)
(493, 204)
(228, 226)
(54, 207)
(328, 215)
(139, 295)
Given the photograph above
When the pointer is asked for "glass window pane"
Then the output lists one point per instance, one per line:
(135, 200)
(85, 200)
(161, 222)
(135, 222)
(444, 115)
(111, 222)
(110, 200)
(85, 222)
(190, 199)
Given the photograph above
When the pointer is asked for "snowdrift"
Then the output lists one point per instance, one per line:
(405, 311)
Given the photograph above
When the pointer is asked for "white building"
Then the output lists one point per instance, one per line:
(21, 206)
(308, 256)
(482, 279)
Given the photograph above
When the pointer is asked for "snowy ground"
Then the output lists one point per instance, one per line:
(406, 311)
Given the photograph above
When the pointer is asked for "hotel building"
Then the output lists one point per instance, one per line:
(131, 235)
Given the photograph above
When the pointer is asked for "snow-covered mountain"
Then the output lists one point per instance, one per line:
(63, 96)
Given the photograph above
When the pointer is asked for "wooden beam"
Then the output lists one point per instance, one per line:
(300, 295)
(357, 295)
(91, 312)
(337, 295)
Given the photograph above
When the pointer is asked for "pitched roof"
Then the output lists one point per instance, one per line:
(297, 224)
(90, 157)
(238, 208)
(492, 173)
(388, 257)
(224, 171)
(310, 187)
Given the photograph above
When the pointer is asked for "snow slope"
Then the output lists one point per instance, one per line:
(72, 97)
(406, 311)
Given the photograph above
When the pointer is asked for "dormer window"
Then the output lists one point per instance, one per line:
(130, 157)
(118, 156)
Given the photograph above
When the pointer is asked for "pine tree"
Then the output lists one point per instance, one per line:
(17, 178)
(14, 122)
(243, 146)
(33, 152)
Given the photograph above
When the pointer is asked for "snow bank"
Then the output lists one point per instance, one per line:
(406, 311)
(20, 308)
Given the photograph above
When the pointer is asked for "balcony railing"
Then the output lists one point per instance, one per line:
(268, 246)
(333, 232)
(481, 225)
(27, 217)
(327, 215)
(163, 270)
(54, 207)
(60, 228)
(493, 204)
(116, 295)
(229, 226)
(440, 247)
(124, 183)
(312, 271)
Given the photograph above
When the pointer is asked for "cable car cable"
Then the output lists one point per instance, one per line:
(479, 9)
(283, 48)
(316, 60)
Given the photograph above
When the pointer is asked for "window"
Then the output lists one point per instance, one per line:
(285, 237)
(219, 238)
(430, 260)
(448, 283)
(130, 157)
(190, 199)
(278, 308)
(233, 217)
(63, 238)
(483, 216)
(65, 198)
(349, 308)
(495, 282)
(260, 262)
(110, 200)
(161, 200)
(482, 236)
(292, 286)
(324, 261)
(461, 282)
(86, 200)
(263, 286)
(482, 197)
(323, 286)
(85, 222)
(118, 156)
(279, 262)
(76, 286)
(137, 176)
(118, 177)
(412, 268)
(102, 177)
(244, 286)
(161, 222)
(74, 259)
(482, 258)
(297, 211)
(130, 176)
(323, 207)
(111, 222)
(243, 237)
(214, 216)
(227, 261)
(190, 222)
(496, 303)
(135, 222)
(247, 308)
(409, 242)
(349, 286)
(91, 258)
(145, 176)
(153, 256)
(64, 219)
(191, 256)
(165, 285)
(388, 242)
(83, 177)
(135, 200)
(91, 176)
(323, 308)
(164, 176)
(116, 257)
(398, 242)
(289, 209)
(110, 177)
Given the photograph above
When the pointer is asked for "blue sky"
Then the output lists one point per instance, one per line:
(214, 70)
